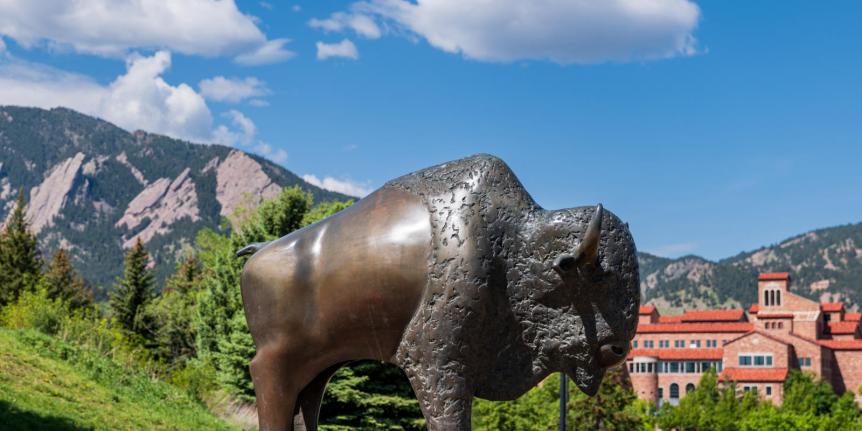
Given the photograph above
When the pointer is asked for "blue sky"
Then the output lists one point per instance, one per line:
(713, 127)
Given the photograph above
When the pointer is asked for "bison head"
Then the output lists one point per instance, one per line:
(581, 284)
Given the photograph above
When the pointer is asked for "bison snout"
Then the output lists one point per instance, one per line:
(612, 353)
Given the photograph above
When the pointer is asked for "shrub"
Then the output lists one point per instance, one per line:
(34, 309)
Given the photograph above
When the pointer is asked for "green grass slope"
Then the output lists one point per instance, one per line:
(46, 384)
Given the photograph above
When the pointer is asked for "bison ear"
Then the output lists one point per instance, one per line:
(588, 249)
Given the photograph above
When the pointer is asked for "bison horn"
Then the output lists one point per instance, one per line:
(587, 249)
(589, 246)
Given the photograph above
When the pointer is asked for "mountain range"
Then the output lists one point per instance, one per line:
(94, 189)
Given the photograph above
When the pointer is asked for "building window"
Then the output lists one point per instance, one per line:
(780, 325)
(695, 344)
(663, 344)
(777, 297)
(766, 298)
(674, 367)
(635, 344)
(689, 367)
(768, 390)
(660, 393)
(678, 343)
(804, 362)
(688, 388)
(755, 360)
(674, 391)
(750, 388)
(711, 343)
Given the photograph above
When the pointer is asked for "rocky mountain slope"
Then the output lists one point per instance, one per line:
(824, 264)
(95, 188)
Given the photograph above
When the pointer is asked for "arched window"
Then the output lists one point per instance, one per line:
(688, 388)
(780, 325)
(777, 297)
(674, 391)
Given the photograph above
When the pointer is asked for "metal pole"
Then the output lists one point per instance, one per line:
(564, 399)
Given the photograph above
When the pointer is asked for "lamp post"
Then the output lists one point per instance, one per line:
(564, 399)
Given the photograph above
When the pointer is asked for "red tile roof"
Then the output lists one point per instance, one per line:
(772, 276)
(754, 374)
(775, 315)
(656, 328)
(831, 307)
(852, 317)
(669, 319)
(842, 344)
(679, 354)
(843, 327)
(754, 308)
(713, 316)
(646, 309)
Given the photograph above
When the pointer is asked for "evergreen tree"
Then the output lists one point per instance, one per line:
(134, 291)
(607, 410)
(186, 277)
(169, 317)
(63, 282)
(20, 259)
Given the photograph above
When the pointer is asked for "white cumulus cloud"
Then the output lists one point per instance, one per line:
(562, 31)
(275, 154)
(363, 25)
(116, 27)
(270, 52)
(233, 90)
(345, 49)
(138, 99)
(242, 133)
(347, 187)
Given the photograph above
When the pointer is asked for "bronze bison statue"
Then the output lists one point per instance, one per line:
(452, 273)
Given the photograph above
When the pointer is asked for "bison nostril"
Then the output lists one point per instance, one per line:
(611, 354)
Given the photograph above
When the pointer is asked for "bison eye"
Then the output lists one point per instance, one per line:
(565, 263)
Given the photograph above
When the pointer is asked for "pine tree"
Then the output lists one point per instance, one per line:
(170, 316)
(134, 291)
(63, 282)
(20, 259)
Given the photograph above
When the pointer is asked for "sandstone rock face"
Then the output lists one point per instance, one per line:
(159, 205)
(239, 178)
(49, 198)
(122, 158)
(5, 188)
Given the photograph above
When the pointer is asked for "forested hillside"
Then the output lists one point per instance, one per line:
(825, 265)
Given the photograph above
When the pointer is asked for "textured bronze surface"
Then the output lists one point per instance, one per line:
(454, 274)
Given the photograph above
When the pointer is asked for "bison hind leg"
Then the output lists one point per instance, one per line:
(312, 395)
(274, 386)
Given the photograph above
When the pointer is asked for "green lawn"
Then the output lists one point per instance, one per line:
(51, 385)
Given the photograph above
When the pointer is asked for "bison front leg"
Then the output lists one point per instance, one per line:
(444, 397)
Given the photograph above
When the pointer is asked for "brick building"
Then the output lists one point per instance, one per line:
(782, 331)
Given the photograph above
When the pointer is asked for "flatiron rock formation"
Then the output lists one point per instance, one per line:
(95, 188)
